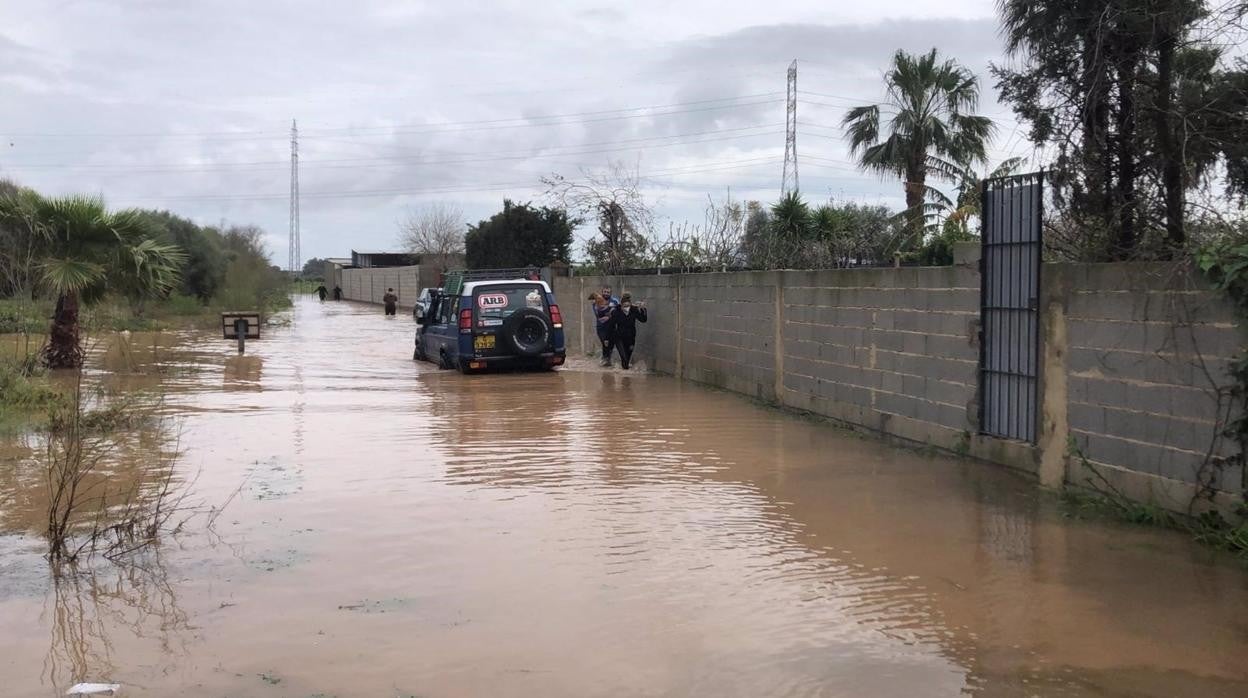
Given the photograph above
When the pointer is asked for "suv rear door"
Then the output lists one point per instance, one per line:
(492, 304)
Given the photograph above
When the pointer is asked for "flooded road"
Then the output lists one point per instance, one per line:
(403, 531)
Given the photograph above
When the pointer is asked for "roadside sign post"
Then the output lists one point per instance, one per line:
(241, 326)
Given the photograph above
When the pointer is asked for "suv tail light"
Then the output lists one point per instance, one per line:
(556, 318)
(465, 320)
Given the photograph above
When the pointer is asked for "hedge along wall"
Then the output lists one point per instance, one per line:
(1132, 360)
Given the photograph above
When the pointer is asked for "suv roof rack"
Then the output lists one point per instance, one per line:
(454, 282)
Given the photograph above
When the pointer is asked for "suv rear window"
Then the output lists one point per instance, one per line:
(493, 304)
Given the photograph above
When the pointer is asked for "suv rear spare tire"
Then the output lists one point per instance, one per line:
(527, 331)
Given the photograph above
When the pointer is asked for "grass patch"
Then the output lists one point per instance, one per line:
(24, 316)
(26, 397)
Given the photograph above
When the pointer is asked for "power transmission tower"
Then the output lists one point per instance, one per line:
(789, 181)
(295, 258)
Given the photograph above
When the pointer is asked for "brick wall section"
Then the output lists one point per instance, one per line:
(1146, 350)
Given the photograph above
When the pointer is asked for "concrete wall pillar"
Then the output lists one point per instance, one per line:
(778, 335)
(1054, 424)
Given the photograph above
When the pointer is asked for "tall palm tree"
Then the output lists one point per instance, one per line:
(86, 252)
(930, 129)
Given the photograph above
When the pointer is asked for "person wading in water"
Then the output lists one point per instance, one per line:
(322, 292)
(391, 301)
(602, 316)
(623, 327)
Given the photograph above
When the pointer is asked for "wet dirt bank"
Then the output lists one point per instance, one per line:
(406, 531)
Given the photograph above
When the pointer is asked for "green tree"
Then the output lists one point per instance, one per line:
(86, 252)
(1138, 108)
(18, 247)
(251, 281)
(929, 132)
(204, 270)
(314, 268)
(520, 235)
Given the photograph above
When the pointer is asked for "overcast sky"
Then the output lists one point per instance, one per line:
(187, 104)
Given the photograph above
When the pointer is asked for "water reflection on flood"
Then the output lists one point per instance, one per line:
(401, 530)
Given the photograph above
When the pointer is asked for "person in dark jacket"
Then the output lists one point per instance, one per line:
(391, 301)
(322, 292)
(623, 327)
(337, 293)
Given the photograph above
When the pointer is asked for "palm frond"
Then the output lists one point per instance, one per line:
(70, 275)
(863, 126)
(946, 168)
(937, 197)
(1007, 167)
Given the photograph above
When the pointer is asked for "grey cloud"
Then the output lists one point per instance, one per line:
(246, 66)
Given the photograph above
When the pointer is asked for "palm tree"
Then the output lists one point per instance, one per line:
(86, 252)
(930, 129)
(956, 211)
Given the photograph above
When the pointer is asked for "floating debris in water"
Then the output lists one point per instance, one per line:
(94, 689)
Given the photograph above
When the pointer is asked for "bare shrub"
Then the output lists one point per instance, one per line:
(435, 229)
(90, 511)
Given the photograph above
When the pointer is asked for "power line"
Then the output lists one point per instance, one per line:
(354, 129)
(422, 128)
(486, 156)
(698, 169)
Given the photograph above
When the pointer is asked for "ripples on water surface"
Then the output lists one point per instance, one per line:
(406, 531)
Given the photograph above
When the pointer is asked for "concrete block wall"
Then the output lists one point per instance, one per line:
(369, 285)
(893, 350)
(1147, 350)
(727, 333)
(1133, 359)
(656, 340)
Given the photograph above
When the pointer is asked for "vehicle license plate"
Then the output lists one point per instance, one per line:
(483, 341)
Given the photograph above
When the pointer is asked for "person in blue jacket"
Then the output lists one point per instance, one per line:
(602, 308)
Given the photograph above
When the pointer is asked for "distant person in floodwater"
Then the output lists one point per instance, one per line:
(322, 292)
(391, 301)
(602, 325)
(623, 327)
(337, 293)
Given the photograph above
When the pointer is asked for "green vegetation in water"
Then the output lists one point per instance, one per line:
(1099, 498)
(72, 265)
(26, 396)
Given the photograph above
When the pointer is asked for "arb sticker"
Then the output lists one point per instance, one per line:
(492, 301)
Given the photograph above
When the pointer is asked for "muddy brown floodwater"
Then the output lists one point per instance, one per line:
(403, 531)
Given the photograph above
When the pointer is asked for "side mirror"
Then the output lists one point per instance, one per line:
(420, 316)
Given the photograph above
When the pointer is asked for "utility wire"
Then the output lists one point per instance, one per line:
(547, 120)
(699, 169)
(486, 156)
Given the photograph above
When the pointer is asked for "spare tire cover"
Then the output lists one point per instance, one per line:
(527, 331)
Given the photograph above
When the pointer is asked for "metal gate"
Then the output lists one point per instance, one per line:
(1009, 348)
